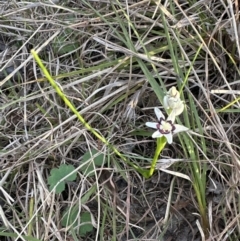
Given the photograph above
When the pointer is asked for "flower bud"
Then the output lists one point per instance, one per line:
(172, 101)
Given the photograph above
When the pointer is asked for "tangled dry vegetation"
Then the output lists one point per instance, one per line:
(105, 55)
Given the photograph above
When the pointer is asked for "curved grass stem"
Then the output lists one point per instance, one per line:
(80, 118)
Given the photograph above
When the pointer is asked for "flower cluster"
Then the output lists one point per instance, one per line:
(166, 127)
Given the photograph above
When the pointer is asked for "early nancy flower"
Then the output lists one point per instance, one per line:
(172, 101)
(164, 127)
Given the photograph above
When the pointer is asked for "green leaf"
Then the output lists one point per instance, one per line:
(61, 173)
(71, 218)
(63, 45)
(87, 226)
(98, 161)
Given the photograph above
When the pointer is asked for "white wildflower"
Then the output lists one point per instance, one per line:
(166, 127)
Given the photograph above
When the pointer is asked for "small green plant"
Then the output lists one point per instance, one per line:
(166, 127)
(59, 176)
(79, 223)
(89, 167)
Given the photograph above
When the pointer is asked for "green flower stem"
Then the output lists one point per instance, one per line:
(161, 142)
(31, 214)
(80, 118)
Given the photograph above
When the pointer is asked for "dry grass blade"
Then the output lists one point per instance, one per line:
(114, 62)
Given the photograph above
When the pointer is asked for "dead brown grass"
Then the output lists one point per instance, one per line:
(79, 44)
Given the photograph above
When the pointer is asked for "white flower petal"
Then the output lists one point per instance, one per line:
(158, 113)
(172, 101)
(169, 138)
(156, 134)
(152, 124)
(171, 117)
(165, 102)
(180, 128)
(179, 109)
(173, 92)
